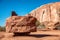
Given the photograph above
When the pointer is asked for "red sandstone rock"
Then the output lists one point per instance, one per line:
(20, 24)
(48, 14)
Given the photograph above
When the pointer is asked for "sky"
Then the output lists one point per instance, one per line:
(21, 7)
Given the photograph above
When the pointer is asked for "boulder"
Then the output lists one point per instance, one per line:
(20, 24)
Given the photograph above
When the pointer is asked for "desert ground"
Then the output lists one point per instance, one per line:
(39, 35)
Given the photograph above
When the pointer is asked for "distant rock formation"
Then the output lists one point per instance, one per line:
(48, 14)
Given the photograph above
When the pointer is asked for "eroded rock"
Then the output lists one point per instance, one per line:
(48, 14)
(21, 24)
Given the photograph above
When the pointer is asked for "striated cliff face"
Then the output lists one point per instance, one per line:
(48, 14)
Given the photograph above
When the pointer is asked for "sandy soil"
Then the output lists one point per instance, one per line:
(39, 35)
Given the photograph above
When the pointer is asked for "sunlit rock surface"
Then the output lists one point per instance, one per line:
(48, 14)
(20, 24)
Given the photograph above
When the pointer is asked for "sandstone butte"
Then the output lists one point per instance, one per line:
(48, 14)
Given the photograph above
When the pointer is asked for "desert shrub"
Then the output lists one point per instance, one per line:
(39, 25)
(2, 28)
(57, 27)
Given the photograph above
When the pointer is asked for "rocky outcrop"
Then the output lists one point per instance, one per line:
(48, 14)
(20, 24)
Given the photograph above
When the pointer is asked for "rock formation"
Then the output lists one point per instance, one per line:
(48, 14)
(20, 24)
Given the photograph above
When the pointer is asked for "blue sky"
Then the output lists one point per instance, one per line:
(22, 7)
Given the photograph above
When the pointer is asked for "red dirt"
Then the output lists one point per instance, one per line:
(39, 35)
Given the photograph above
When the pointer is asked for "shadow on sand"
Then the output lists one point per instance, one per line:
(33, 35)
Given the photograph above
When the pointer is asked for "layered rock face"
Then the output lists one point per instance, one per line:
(20, 24)
(48, 14)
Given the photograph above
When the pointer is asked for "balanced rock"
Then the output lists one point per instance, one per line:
(20, 24)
